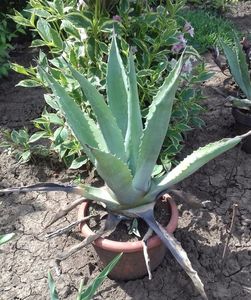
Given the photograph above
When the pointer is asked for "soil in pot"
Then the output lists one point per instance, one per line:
(132, 264)
(243, 125)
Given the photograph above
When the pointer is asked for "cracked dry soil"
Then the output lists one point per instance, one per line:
(203, 232)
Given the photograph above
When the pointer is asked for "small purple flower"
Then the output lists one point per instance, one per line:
(189, 29)
(176, 48)
(134, 49)
(117, 18)
(187, 67)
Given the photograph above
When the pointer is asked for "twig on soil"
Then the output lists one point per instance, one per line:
(146, 257)
(67, 228)
(64, 211)
(235, 206)
(236, 162)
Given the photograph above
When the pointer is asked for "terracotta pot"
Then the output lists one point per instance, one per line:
(243, 125)
(132, 264)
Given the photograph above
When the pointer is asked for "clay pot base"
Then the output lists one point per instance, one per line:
(132, 264)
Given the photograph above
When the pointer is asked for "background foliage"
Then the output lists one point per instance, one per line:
(209, 29)
(80, 34)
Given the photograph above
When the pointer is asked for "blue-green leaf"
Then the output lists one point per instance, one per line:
(74, 116)
(238, 67)
(116, 175)
(195, 161)
(108, 126)
(134, 128)
(117, 87)
(156, 128)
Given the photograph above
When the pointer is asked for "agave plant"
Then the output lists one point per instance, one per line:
(238, 62)
(125, 151)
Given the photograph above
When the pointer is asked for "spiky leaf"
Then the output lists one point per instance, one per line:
(156, 128)
(74, 116)
(116, 83)
(116, 175)
(108, 126)
(91, 193)
(244, 69)
(146, 213)
(134, 129)
(237, 67)
(195, 161)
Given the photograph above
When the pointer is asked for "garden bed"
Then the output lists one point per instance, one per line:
(203, 232)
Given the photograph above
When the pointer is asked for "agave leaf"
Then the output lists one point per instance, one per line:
(88, 292)
(236, 69)
(117, 87)
(107, 123)
(107, 227)
(244, 68)
(240, 103)
(100, 195)
(156, 127)
(116, 175)
(134, 129)
(4, 238)
(74, 116)
(193, 162)
(52, 288)
(146, 213)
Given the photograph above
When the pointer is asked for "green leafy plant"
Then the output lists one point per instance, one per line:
(125, 151)
(86, 293)
(209, 28)
(19, 143)
(239, 68)
(81, 36)
(5, 46)
(5, 238)
(219, 5)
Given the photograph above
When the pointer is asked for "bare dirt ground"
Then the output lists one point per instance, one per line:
(203, 232)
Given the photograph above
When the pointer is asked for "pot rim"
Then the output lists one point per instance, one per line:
(128, 247)
(241, 117)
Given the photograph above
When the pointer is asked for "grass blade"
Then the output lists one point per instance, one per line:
(4, 238)
(89, 292)
(52, 288)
